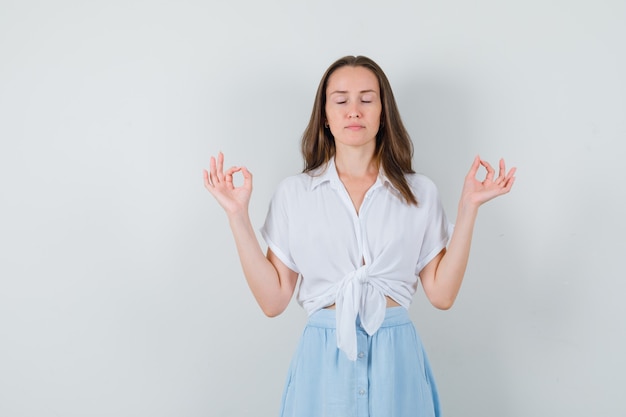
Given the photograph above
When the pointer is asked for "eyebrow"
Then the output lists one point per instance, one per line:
(346, 92)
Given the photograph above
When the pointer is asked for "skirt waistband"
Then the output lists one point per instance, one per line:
(326, 318)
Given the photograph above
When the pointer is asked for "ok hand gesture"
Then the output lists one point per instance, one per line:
(477, 192)
(233, 199)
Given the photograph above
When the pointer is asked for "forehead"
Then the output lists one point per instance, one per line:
(349, 78)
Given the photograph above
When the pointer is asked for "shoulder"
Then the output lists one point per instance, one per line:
(292, 186)
(421, 185)
(294, 182)
(424, 189)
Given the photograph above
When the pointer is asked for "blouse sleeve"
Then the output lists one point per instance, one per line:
(275, 230)
(438, 230)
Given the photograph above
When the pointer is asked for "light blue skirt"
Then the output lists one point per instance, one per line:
(391, 376)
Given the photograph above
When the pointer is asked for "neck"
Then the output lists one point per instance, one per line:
(356, 163)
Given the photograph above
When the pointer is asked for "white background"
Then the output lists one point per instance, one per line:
(120, 289)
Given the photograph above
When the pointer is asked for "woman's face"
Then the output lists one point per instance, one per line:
(353, 106)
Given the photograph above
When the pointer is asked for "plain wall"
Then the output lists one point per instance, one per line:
(121, 292)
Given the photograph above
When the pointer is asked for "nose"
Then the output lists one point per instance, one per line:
(354, 112)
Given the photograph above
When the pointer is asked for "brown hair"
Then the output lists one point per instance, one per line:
(394, 149)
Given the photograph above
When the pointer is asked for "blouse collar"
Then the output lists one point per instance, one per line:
(328, 173)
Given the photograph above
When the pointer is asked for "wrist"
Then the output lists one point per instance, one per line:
(238, 217)
(468, 208)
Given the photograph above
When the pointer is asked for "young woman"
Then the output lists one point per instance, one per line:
(358, 227)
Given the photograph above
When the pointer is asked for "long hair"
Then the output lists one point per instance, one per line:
(394, 149)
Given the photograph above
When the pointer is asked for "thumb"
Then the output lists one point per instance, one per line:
(474, 168)
(247, 177)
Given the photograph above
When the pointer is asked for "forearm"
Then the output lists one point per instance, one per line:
(443, 276)
(262, 276)
(451, 269)
(270, 281)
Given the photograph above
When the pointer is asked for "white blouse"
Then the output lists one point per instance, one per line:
(349, 259)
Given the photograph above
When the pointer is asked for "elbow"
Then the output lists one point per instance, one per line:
(274, 304)
(271, 313)
(272, 310)
(443, 304)
(442, 299)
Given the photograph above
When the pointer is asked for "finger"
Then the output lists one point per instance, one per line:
(207, 181)
(220, 166)
(228, 175)
(501, 180)
(511, 173)
(247, 178)
(213, 178)
(508, 185)
(502, 170)
(490, 170)
(509, 181)
(232, 170)
(474, 168)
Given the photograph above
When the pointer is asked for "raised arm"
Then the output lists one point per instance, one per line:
(271, 282)
(442, 277)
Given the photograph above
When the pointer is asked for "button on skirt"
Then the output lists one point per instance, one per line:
(391, 376)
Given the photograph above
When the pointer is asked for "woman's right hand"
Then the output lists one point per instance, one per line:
(220, 184)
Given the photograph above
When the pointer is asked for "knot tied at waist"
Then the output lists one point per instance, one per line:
(361, 274)
(359, 294)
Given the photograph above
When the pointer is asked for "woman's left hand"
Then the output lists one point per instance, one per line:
(477, 192)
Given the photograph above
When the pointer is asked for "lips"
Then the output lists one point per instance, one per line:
(355, 127)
